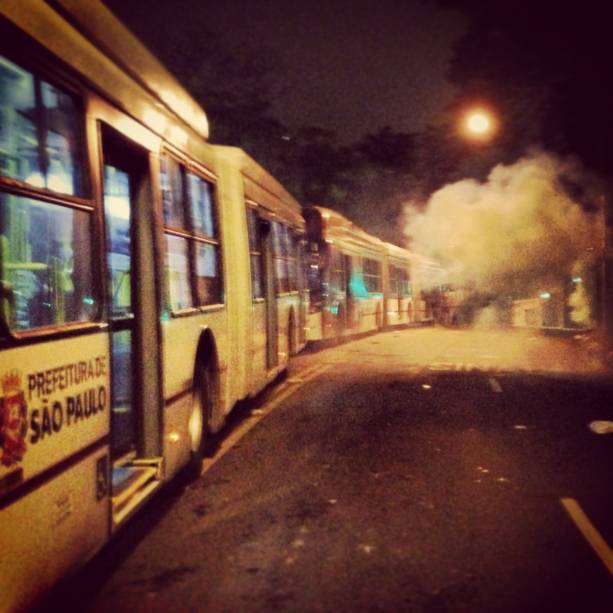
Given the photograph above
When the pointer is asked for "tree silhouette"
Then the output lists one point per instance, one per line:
(544, 65)
(381, 164)
(366, 180)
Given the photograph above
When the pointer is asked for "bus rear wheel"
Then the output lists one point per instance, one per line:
(202, 399)
(291, 337)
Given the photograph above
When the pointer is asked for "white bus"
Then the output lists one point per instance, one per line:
(345, 273)
(400, 302)
(148, 281)
(429, 276)
(359, 283)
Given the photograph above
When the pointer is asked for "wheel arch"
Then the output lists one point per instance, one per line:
(292, 330)
(207, 359)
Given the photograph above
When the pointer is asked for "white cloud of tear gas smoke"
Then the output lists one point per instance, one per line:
(515, 233)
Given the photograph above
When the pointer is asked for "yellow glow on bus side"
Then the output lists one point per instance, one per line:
(178, 136)
(155, 120)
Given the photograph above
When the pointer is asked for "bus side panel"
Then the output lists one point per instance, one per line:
(394, 315)
(175, 446)
(59, 393)
(257, 363)
(405, 310)
(180, 341)
(237, 281)
(54, 473)
(286, 304)
(368, 313)
(314, 326)
(398, 311)
(50, 531)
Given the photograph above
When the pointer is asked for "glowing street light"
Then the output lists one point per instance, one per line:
(478, 124)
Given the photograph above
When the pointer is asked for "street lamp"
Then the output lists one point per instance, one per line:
(478, 124)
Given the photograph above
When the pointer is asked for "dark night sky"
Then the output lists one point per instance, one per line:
(349, 66)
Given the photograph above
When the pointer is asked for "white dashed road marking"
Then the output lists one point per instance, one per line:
(591, 535)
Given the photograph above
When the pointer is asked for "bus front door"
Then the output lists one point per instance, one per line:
(133, 317)
(351, 306)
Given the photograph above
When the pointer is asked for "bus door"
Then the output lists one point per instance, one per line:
(303, 288)
(351, 306)
(270, 294)
(399, 288)
(133, 315)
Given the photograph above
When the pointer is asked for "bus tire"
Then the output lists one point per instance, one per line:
(202, 399)
(291, 336)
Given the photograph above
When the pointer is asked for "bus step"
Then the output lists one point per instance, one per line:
(132, 485)
(157, 463)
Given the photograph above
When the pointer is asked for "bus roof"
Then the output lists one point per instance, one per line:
(260, 185)
(398, 253)
(90, 39)
(336, 228)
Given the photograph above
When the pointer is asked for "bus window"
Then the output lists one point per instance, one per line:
(337, 272)
(394, 278)
(45, 263)
(177, 272)
(45, 249)
(117, 207)
(405, 283)
(202, 206)
(293, 244)
(315, 271)
(172, 193)
(40, 132)
(192, 242)
(277, 243)
(205, 238)
(255, 254)
(287, 242)
(372, 275)
(279, 246)
(177, 245)
(285, 252)
(208, 280)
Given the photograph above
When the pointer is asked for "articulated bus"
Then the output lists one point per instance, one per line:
(429, 278)
(358, 283)
(399, 278)
(148, 281)
(345, 273)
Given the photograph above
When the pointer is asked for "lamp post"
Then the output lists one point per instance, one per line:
(478, 124)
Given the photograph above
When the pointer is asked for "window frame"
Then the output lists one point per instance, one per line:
(393, 274)
(252, 206)
(405, 283)
(287, 240)
(37, 61)
(370, 276)
(46, 70)
(337, 273)
(192, 236)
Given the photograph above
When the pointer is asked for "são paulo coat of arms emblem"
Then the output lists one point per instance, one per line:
(13, 419)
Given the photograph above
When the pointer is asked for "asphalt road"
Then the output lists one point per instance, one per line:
(418, 470)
